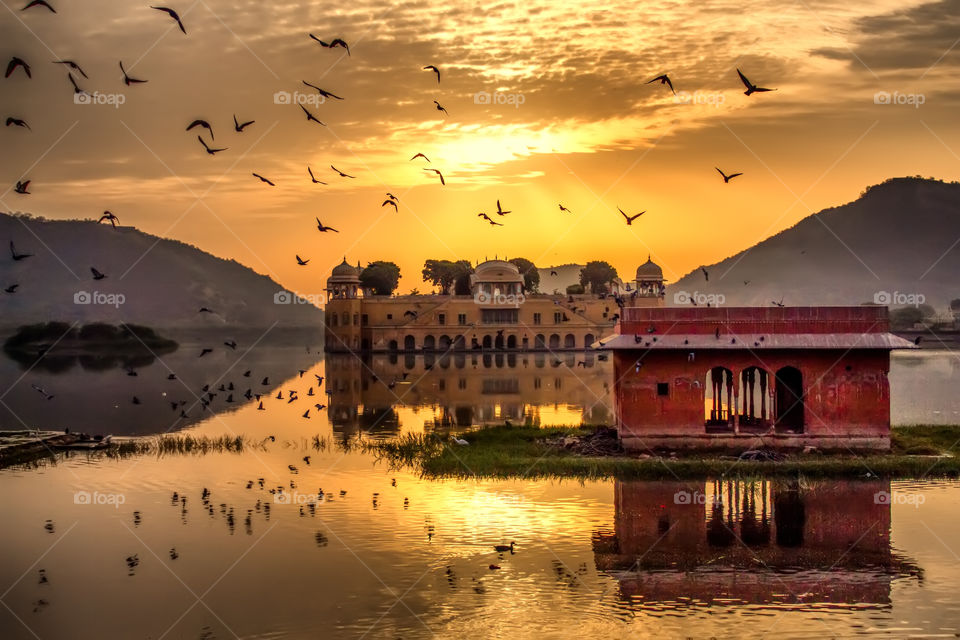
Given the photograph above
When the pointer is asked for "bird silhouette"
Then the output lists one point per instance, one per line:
(437, 171)
(302, 262)
(39, 3)
(17, 62)
(110, 218)
(204, 124)
(728, 178)
(127, 80)
(500, 211)
(22, 186)
(336, 42)
(778, 304)
(76, 87)
(240, 126)
(172, 14)
(420, 155)
(11, 288)
(342, 174)
(751, 88)
(489, 219)
(664, 79)
(706, 274)
(440, 108)
(630, 219)
(390, 202)
(325, 94)
(312, 178)
(431, 67)
(96, 274)
(262, 179)
(208, 149)
(553, 273)
(17, 122)
(323, 228)
(310, 116)
(73, 65)
(563, 208)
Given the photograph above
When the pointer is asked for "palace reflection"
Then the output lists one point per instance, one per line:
(779, 542)
(466, 389)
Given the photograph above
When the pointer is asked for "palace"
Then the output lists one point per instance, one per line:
(498, 314)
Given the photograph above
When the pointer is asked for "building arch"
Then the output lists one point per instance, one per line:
(754, 398)
(588, 340)
(789, 399)
(487, 342)
(569, 341)
(511, 342)
(718, 399)
(409, 343)
(429, 343)
(539, 342)
(554, 341)
(393, 346)
(498, 341)
(445, 343)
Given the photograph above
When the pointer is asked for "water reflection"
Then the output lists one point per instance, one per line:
(465, 389)
(752, 542)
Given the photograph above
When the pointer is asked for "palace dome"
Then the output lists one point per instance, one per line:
(649, 271)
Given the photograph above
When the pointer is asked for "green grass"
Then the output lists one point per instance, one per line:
(523, 452)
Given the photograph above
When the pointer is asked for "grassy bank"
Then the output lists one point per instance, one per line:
(530, 452)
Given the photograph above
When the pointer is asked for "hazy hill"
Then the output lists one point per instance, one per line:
(165, 284)
(900, 236)
(567, 274)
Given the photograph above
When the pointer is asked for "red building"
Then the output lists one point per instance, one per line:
(741, 378)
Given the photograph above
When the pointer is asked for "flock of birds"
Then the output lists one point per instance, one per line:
(19, 64)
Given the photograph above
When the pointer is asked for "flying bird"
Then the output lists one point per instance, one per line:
(204, 124)
(39, 3)
(630, 219)
(239, 127)
(127, 80)
(209, 150)
(323, 228)
(262, 179)
(17, 257)
(109, 217)
(777, 304)
(436, 171)
(96, 274)
(431, 67)
(728, 178)
(76, 87)
(500, 211)
(11, 288)
(336, 42)
(440, 108)
(342, 174)
(172, 14)
(17, 62)
(664, 79)
(563, 208)
(204, 352)
(751, 88)
(390, 202)
(706, 274)
(73, 65)
(310, 116)
(18, 122)
(312, 178)
(393, 197)
(324, 93)
(489, 219)
(22, 187)
(420, 155)
(302, 262)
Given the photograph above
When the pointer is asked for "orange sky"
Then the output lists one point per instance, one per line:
(570, 121)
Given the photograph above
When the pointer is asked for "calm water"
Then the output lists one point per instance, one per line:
(400, 556)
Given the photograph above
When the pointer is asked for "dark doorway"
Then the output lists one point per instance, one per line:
(789, 399)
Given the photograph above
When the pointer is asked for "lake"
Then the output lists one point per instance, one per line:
(97, 547)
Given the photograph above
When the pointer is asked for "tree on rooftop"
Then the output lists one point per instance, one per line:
(530, 273)
(380, 277)
(597, 274)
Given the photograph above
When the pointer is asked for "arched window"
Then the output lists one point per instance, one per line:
(718, 392)
(788, 398)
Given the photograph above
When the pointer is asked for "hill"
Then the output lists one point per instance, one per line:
(567, 274)
(899, 243)
(149, 280)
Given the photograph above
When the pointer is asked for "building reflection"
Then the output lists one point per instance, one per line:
(466, 389)
(752, 542)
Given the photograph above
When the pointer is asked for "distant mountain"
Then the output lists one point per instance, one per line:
(149, 280)
(900, 238)
(567, 274)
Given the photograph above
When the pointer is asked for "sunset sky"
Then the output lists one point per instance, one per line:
(571, 121)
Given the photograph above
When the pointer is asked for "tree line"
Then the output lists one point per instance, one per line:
(381, 278)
